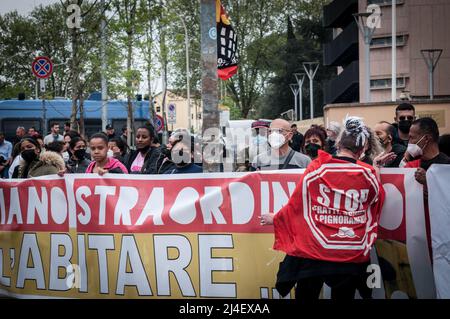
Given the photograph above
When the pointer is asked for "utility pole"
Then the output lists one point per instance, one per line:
(300, 77)
(367, 28)
(295, 88)
(211, 125)
(394, 51)
(188, 74)
(103, 68)
(311, 70)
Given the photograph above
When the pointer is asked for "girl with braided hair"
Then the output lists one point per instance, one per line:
(329, 224)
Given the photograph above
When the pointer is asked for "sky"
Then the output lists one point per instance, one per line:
(22, 6)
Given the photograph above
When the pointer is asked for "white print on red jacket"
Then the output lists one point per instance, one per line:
(337, 206)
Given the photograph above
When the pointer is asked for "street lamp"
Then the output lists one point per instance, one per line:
(311, 70)
(431, 57)
(300, 77)
(295, 88)
(367, 29)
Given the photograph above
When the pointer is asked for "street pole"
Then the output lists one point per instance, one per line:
(367, 29)
(300, 77)
(394, 51)
(295, 89)
(211, 127)
(103, 70)
(311, 70)
(431, 57)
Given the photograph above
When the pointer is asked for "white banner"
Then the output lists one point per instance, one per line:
(438, 180)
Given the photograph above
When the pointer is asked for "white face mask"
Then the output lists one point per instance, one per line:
(276, 140)
(414, 149)
(110, 154)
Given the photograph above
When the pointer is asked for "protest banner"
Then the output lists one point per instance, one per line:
(438, 177)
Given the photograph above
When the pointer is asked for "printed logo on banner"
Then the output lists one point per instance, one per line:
(339, 215)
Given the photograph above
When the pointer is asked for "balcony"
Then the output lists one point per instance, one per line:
(338, 13)
(343, 49)
(345, 87)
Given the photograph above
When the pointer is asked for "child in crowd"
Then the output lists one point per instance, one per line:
(101, 163)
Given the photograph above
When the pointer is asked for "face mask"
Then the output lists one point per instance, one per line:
(29, 155)
(312, 150)
(414, 149)
(80, 154)
(276, 140)
(404, 126)
(110, 154)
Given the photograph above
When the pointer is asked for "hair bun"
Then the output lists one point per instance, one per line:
(354, 125)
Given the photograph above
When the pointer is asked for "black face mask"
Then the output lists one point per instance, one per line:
(28, 155)
(80, 154)
(312, 150)
(404, 126)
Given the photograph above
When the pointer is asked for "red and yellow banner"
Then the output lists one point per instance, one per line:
(177, 236)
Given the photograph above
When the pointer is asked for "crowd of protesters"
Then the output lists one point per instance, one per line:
(274, 145)
(407, 142)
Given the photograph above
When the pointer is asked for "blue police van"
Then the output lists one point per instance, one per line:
(28, 113)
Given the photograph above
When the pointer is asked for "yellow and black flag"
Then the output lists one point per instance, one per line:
(227, 59)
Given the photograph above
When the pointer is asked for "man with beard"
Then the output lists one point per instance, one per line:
(386, 132)
(405, 114)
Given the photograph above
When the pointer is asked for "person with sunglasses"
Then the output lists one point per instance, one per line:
(405, 115)
(280, 155)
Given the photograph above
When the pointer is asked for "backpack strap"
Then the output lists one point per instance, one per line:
(288, 159)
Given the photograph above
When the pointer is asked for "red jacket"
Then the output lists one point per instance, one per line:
(333, 213)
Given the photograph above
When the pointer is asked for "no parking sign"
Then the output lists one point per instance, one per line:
(42, 67)
(159, 123)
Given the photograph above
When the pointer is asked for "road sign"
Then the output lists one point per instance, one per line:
(42, 85)
(42, 67)
(172, 114)
(159, 123)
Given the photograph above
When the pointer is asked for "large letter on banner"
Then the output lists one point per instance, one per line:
(438, 180)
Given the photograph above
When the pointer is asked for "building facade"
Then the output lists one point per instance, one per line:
(421, 24)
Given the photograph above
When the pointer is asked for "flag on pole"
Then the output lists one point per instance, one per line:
(227, 59)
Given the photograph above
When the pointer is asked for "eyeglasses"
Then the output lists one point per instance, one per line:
(403, 118)
(279, 130)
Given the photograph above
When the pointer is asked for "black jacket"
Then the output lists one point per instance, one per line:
(77, 166)
(152, 161)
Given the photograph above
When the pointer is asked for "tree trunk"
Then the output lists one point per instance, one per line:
(75, 80)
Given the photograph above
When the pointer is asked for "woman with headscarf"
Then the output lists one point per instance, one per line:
(330, 222)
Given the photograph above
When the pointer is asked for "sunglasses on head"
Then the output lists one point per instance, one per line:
(408, 118)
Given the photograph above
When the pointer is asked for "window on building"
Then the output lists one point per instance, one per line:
(387, 41)
(380, 84)
(384, 2)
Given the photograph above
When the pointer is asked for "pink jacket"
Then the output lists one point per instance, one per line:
(112, 164)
